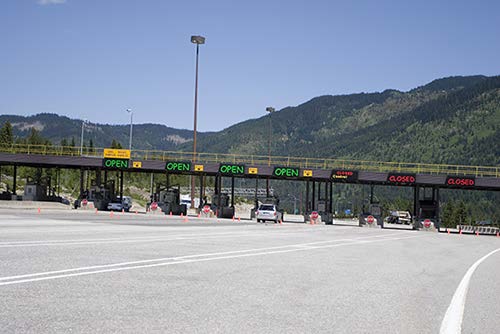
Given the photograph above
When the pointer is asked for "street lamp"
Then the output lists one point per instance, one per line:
(130, 137)
(196, 40)
(81, 138)
(270, 110)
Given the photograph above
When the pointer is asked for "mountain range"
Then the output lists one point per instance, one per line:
(453, 120)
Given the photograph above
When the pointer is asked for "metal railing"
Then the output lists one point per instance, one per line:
(313, 163)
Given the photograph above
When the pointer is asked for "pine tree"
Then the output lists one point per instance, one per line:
(34, 138)
(91, 146)
(448, 215)
(461, 213)
(6, 135)
(116, 144)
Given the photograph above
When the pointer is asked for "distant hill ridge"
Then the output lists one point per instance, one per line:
(453, 120)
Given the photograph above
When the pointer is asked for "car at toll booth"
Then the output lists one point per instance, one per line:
(269, 212)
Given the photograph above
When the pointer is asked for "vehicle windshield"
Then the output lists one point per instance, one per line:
(266, 208)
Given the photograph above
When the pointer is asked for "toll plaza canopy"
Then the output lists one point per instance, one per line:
(253, 166)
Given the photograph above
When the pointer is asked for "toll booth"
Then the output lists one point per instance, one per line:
(168, 199)
(39, 189)
(101, 194)
(222, 203)
(427, 208)
(371, 215)
(319, 198)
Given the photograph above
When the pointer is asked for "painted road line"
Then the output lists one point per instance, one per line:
(452, 321)
(186, 259)
(174, 258)
(71, 242)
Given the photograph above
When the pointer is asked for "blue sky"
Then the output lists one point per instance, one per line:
(93, 59)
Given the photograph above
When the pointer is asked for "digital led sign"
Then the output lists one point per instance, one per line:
(341, 175)
(286, 172)
(115, 163)
(401, 179)
(178, 166)
(230, 169)
(460, 181)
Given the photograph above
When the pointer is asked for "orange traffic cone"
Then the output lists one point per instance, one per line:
(38, 210)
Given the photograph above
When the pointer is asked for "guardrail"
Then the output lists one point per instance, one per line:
(318, 163)
(478, 229)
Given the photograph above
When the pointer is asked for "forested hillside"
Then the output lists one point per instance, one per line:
(61, 129)
(454, 121)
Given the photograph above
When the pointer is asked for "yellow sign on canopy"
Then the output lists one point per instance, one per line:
(116, 153)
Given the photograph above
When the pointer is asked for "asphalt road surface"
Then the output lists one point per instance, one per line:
(82, 272)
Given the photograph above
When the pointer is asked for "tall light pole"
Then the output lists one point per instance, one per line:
(196, 40)
(130, 137)
(81, 138)
(270, 110)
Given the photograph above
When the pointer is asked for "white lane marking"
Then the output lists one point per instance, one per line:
(111, 240)
(186, 259)
(182, 257)
(452, 321)
(70, 242)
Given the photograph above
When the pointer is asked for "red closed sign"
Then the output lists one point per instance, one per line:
(401, 178)
(370, 219)
(85, 202)
(314, 215)
(427, 223)
(154, 206)
(456, 181)
(206, 209)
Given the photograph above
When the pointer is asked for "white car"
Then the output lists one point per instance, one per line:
(268, 212)
(125, 205)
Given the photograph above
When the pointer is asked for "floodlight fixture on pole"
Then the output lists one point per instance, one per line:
(196, 40)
